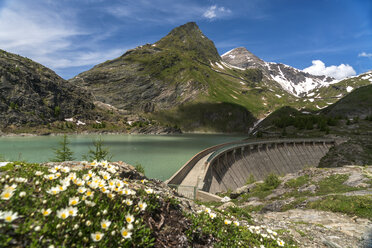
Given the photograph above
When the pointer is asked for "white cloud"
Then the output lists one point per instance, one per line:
(338, 72)
(214, 12)
(48, 35)
(364, 54)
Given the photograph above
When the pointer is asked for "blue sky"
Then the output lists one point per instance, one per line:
(70, 36)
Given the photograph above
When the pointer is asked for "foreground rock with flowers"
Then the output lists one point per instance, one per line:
(102, 204)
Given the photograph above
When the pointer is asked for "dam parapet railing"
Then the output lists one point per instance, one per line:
(264, 144)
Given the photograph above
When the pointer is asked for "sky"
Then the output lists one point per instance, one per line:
(323, 37)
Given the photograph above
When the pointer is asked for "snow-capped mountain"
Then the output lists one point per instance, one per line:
(293, 80)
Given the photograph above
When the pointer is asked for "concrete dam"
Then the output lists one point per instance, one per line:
(228, 166)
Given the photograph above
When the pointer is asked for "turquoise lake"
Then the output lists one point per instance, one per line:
(160, 155)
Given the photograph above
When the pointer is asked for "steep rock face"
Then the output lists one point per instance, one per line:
(33, 94)
(291, 79)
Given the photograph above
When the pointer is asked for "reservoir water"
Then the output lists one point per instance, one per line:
(160, 155)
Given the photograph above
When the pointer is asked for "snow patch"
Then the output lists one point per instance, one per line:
(311, 99)
(227, 52)
(3, 163)
(278, 96)
(349, 89)
(80, 123)
(231, 66)
(220, 66)
(69, 119)
(339, 95)
(311, 94)
(242, 83)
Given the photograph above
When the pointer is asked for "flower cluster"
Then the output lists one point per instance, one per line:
(68, 198)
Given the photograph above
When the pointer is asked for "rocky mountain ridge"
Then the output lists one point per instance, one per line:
(31, 94)
(293, 80)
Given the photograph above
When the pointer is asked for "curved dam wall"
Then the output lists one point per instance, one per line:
(229, 168)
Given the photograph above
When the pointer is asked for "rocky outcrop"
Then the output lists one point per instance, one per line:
(33, 94)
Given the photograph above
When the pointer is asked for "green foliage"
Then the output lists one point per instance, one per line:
(272, 181)
(99, 152)
(297, 182)
(57, 111)
(228, 235)
(63, 153)
(352, 205)
(14, 106)
(250, 179)
(334, 184)
(99, 125)
(139, 168)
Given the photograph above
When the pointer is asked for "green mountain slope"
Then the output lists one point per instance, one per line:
(356, 104)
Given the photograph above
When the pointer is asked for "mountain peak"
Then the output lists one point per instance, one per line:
(189, 38)
(241, 57)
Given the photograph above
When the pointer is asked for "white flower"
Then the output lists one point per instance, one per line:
(22, 194)
(63, 213)
(65, 169)
(62, 187)
(37, 228)
(236, 223)
(82, 190)
(142, 205)
(46, 212)
(73, 201)
(7, 194)
(21, 180)
(212, 215)
(105, 224)
(53, 191)
(128, 202)
(126, 233)
(97, 236)
(207, 210)
(130, 226)
(227, 222)
(9, 216)
(104, 212)
(38, 173)
(149, 191)
(89, 193)
(90, 203)
(50, 177)
(225, 199)
(72, 211)
(88, 223)
(129, 218)
(280, 242)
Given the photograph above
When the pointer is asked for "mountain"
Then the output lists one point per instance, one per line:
(294, 81)
(171, 78)
(31, 94)
(181, 81)
(356, 104)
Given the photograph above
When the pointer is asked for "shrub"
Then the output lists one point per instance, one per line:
(139, 168)
(272, 181)
(63, 153)
(100, 152)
